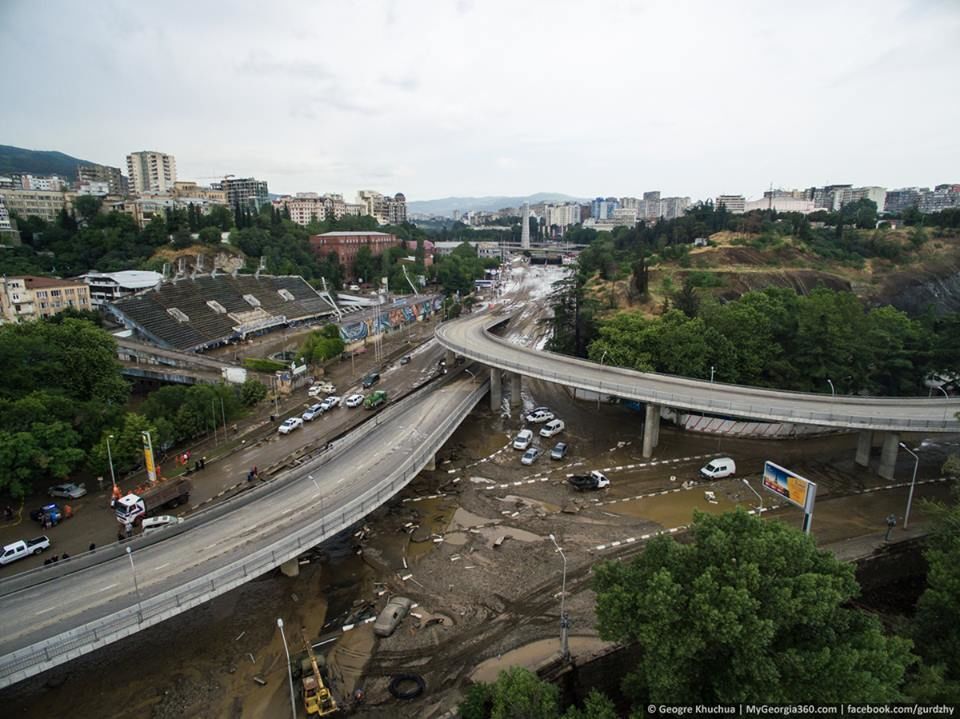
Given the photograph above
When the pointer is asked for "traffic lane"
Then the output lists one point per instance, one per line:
(65, 602)
(696, 394)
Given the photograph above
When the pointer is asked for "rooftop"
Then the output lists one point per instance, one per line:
(354, 233)
(34, 282)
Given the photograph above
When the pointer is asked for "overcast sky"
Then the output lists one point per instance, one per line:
(482, 97)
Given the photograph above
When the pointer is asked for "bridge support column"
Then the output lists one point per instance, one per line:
(432, 464)
(515, 399)
(290, 568)
(864, 445)
(496, 394)
(888, 454)
(450, 358)
(651, 428)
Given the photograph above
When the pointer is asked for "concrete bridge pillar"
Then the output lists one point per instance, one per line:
(432, 464)
(290, 568)
(888, 454)
(864, 445)
(496, 394)
(515, 398)
(651, 428)
(450, 357)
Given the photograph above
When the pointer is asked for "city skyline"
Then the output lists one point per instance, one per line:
(692, 98)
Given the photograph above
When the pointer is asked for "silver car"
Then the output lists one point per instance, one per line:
(68, 491)
(391, 616)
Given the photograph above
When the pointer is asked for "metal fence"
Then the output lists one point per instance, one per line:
(942, 412)
(63, 647)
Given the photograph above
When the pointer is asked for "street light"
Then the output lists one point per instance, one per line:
(564, 622)
(944, 391)
(601, 366)
(760, 514)
(913, 484)
(711, 373)
(136, 586)
(293, 699)
(833, 392)
(113, 477)
(319, 492)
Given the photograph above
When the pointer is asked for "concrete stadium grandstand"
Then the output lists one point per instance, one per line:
(204, 311)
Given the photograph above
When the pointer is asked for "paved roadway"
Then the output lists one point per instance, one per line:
(469, 337)
(57, 608)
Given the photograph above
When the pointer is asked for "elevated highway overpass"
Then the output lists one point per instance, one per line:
(57, 613)
(470, 337)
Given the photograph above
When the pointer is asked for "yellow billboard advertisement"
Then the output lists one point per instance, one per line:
(148, 457)
(793, 488)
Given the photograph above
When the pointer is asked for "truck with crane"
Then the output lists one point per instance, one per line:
(317, 699)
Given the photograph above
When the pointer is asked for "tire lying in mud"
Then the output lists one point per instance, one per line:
(407, 686)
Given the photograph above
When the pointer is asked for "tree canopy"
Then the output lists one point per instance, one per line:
(748, 611)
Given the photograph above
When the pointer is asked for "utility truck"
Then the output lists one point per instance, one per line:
(375, 399)
(147, 501)
(21, 549)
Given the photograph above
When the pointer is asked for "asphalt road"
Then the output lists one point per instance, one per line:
(48, 609)
(468, 337)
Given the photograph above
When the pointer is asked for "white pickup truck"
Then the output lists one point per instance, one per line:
(19, 550)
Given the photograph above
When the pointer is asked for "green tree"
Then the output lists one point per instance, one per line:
(252, 392)
(516, 694)
(210, 235)
(936, 624)
(364, 266)
(740, 613)
(87, 207)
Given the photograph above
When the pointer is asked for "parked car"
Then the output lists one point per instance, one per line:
(540, 415)
(290, 424)
(523, 439)
(594, 480)
(370, 380)
(330, 402)
(559, 451)
(531, 455)
(319, 388)
(155, 524)
(554, 426)
(69, 491)
(313, 411)
(20, 549)
(391, 616)
(354, 400)
(719, 468)
(405, 359)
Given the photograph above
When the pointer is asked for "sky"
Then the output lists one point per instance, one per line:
(434, 98)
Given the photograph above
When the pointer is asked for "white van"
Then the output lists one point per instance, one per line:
(523, 439)
(719, 468)
(155, 524)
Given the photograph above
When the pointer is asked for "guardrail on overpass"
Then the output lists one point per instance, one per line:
(65, 646)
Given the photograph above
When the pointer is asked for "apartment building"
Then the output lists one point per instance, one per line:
(117, 183)
(562, 215)
(27, 297)
(244, 191)
(45, 204)
(151, 172)
(735, 204)
(387, 210)
(191, 191)
(44, 183)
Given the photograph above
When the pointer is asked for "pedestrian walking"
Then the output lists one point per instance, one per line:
(91, 547)
(203, 462)
(891, 523)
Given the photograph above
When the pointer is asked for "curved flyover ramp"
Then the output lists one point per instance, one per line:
(470, 337)
(54, 614)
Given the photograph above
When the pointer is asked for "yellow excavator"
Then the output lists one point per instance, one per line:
(317, 699)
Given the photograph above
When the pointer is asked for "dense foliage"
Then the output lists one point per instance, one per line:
(777, 338)
(749, 611)
(321, 345)
(457, 271)
(519, 694)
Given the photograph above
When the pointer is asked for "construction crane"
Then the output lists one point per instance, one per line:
(317, 699)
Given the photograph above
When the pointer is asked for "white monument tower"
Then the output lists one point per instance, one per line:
(525, 229)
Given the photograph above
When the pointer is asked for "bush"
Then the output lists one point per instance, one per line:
(251, 392)
(260, 364)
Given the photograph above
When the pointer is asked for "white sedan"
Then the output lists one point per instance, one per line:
(290, 424)
(330, 402)
(354, 400)
(540, 415)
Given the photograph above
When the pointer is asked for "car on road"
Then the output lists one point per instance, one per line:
(319, 388)
(553, 427)
(68, 491)
(719, 468)
(391, 616)
(540, 415)
(330, 402)
(531, 455)
(370, 380)
(20, 549)
(523, 439)
(354, 400)
(594, 480)
(313, 411)
(155, 524)
(290, 424)
(405, 359)
(559, 451)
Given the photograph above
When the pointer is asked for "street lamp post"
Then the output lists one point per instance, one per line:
(913, 484)
(711, 372)
(293, 699)
(602, 357)
(136, 586)
(113, 476)
(833, 392)
(564, 621)
(760, 514)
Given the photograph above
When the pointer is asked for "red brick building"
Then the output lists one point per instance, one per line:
(347, 244)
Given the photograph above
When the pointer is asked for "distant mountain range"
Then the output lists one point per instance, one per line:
(39, 162)
(446, 205)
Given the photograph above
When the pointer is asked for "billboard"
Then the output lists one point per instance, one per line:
(148, 457)
(793, 488)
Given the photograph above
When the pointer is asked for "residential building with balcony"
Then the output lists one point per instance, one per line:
(246, 192)
(735, 204)
(151, 172)
(103, 173)
(28, 297)
(45, 204)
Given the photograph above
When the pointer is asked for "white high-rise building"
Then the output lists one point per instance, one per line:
(525, 228)
(734, 203)
(151, 172)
